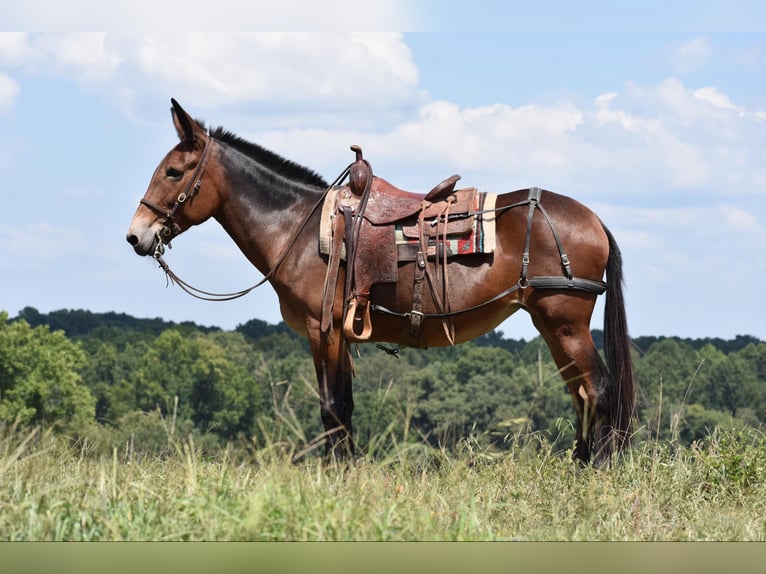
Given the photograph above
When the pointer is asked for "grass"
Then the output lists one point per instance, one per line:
(52, 490)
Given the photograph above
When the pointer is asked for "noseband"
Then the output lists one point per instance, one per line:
(170, 227)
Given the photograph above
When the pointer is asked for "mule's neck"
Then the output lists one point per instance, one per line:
(263, 209)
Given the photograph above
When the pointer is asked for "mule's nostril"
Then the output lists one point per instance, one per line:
(133, 240)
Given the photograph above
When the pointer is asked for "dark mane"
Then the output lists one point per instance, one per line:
(269, 159)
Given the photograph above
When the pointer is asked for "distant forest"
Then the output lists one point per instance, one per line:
(80, 323)
(114, 379)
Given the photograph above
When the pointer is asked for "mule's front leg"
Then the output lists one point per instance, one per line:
(337, 406)
(334, 375)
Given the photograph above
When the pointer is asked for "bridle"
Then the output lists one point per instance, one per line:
(170, 227)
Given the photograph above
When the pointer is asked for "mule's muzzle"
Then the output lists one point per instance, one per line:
(143, 244)
(132, 239)
(138, 246)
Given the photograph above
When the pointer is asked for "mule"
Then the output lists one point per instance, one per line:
(269, 206)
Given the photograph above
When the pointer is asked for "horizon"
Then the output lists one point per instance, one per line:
(499, 332)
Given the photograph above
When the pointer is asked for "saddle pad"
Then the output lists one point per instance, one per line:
(480, 239)
(325, 223)
(477, 236)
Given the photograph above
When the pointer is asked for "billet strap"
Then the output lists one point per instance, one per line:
(534, 204)
(534, 201)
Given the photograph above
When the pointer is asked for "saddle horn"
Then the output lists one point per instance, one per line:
(359, 173)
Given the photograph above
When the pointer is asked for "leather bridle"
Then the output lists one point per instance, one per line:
(170, 227)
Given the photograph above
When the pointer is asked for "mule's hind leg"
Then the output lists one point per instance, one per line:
(564, 322)
(334, 375)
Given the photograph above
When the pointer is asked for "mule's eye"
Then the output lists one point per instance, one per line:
(173, 173)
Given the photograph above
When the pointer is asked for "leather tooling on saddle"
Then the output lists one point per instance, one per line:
(374, 226)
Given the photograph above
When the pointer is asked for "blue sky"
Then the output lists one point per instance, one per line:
(654, 117)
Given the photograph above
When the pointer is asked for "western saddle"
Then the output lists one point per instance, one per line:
(365, 215)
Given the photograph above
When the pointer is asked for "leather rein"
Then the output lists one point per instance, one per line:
(170, 229)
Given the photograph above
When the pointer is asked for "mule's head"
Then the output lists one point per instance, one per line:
(177, 197)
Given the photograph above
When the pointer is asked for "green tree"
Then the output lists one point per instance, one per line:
(753, 390)
(39, 378)
(729, 383)
(225, 397)
(213, 376)
(474, 393)
(696, 422)
(667, 371)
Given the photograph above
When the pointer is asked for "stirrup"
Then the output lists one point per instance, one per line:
(358, 324)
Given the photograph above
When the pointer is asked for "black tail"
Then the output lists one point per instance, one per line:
(617, 349)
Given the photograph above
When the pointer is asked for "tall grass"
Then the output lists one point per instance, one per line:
(56, 489)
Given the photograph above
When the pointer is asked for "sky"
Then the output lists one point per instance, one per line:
(653, 114)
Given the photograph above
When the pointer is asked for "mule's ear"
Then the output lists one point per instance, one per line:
(186, 127)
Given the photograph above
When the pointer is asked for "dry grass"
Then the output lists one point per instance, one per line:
(54, 491)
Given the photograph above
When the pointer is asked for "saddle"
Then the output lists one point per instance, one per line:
(368, 214)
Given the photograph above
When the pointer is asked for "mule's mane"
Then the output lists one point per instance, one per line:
(285, 167)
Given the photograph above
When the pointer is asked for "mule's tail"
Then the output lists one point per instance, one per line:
(622, 395)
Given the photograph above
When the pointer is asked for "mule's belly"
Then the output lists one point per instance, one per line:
(472, 284)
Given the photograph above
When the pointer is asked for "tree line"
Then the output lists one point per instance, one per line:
(115, 379)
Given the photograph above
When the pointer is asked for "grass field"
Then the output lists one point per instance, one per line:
(53, 491)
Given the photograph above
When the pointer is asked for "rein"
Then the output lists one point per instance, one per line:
(170, 229)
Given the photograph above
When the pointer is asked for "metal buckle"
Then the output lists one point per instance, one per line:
(159, 249)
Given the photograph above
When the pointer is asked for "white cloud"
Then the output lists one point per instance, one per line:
(15, 48)
(87, 55)
(488, 137)
(741, 221)
(645, 141)
(9, 89)
(604, 100)
(683, 247)
(678, 138)
(495, 147)
(691, 55)
(227, 15)
(334, 70)
(310, 74)
(716, 99)
(340, 72)
(364, 88)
